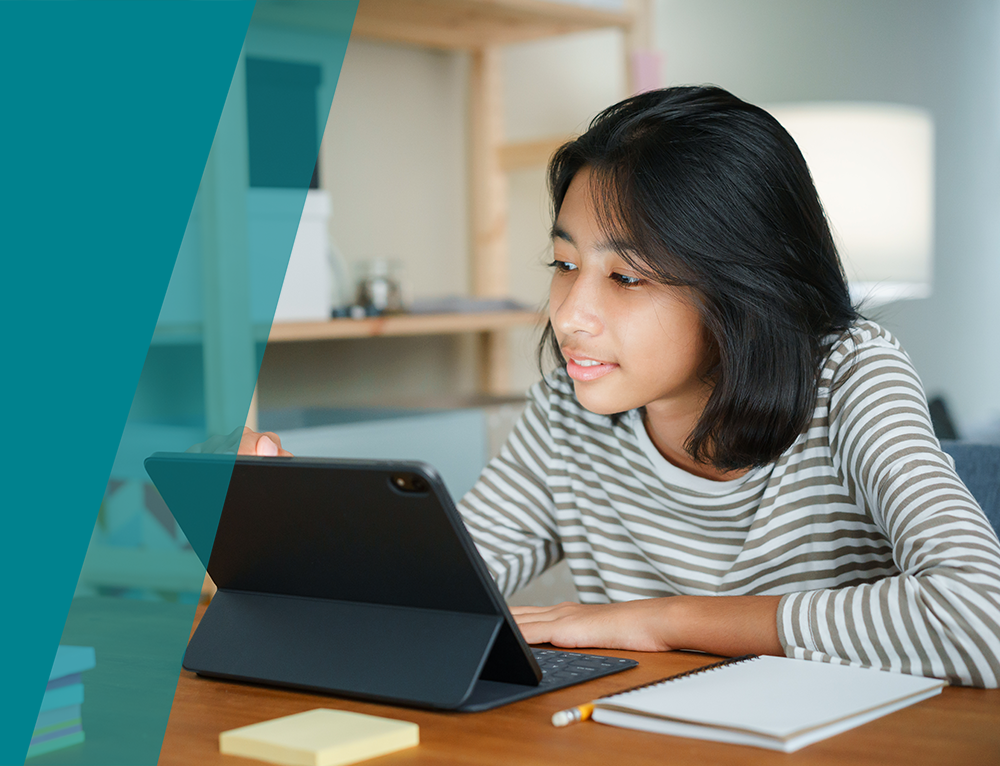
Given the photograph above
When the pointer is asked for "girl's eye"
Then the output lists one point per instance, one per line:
(563, 266)
(625, 280)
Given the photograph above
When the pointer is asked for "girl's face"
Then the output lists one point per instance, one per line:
(628, 342)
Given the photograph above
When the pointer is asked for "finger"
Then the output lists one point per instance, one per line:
(248, 442)
(265, 447)
(565, 609)
(528, 619)
(516, 610)
(535, 633)
(552, 633)
(282, 452)
(563, 605)
(253, 443)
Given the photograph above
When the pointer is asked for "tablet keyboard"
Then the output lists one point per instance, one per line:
(566, 668)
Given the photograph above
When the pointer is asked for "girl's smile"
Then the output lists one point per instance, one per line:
(583, 368)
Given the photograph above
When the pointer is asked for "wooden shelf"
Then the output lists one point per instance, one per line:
(401, 325)
(192, 334)
(396, 325)
(447, 24)
(482, 28)
(530, 154)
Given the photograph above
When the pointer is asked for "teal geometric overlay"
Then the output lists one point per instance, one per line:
(124, 167)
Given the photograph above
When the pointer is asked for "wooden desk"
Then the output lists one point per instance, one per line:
(960, 726)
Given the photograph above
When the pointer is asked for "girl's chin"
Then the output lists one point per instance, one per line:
(599, 405)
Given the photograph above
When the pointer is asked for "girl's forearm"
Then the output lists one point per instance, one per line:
(726, 625)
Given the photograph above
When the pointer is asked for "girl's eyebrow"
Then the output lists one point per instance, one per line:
(609, 245)
(558, 232)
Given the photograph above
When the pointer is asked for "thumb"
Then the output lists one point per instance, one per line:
(266, 447)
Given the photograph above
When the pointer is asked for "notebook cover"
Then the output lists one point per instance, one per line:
(56, 729)
(72, 659)
(790, 702)
(55, 744)
(62, 697)
(57, 715)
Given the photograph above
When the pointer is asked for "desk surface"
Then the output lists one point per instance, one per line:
(957, 726)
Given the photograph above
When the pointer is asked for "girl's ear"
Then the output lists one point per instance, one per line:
(709, 338)
(712, 360)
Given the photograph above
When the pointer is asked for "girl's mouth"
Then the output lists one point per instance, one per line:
(583, 369)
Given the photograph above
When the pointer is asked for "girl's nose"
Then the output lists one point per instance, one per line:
(578, 311)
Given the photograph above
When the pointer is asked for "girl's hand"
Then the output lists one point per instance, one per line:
(639, 626)
(723, 625)
(267, 444)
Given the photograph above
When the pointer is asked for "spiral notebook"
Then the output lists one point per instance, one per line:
(771, 702)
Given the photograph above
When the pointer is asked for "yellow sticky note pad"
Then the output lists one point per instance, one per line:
(320, 737)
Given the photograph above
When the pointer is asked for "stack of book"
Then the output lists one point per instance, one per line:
(59, 722)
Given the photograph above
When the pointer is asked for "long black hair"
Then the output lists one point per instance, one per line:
(707, 191)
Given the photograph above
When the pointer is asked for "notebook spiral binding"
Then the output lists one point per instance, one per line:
(686, 673)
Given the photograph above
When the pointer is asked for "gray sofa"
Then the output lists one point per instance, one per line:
(978, 465)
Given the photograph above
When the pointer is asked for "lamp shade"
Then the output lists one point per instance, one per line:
(873, 166)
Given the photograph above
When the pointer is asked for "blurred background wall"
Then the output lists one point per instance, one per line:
(943, 56)
(395, 162)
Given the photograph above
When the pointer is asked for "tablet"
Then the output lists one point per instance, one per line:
(352, 577)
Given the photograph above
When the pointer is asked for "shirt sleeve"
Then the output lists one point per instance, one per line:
(940, 616)
(509, 511)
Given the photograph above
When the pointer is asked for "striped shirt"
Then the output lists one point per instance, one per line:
(882, 556)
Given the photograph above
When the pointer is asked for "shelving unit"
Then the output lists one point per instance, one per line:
(451, 24)
(400, 325)
(389, 326)
(481, 28)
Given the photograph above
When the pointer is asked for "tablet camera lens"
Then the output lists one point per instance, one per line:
(408, 482)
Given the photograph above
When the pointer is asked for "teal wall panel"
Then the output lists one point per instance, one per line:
(124, 136)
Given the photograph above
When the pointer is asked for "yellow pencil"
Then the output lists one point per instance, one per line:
(574, 714)
(582, 712)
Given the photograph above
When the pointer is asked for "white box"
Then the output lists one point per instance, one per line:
(305, 291)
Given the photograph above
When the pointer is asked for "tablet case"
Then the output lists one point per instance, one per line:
(332, 579)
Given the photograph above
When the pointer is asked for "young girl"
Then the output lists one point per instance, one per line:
(727, 455)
